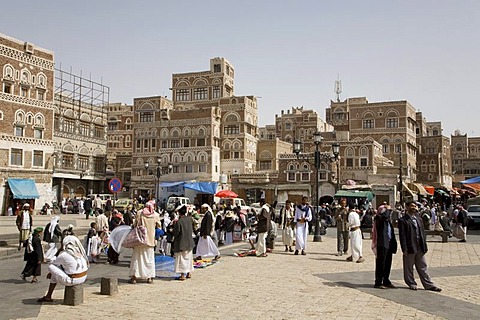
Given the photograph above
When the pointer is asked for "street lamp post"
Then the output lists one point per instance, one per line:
(318, 158)
(159, 171)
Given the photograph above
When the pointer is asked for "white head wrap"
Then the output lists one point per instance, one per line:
(74, 247)
(53, 224)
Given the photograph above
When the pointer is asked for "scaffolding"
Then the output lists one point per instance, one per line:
(75, 90)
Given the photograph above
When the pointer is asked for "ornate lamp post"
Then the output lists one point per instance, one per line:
(318, 158)
(159, 171)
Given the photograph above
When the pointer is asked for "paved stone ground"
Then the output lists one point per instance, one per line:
(280, 286)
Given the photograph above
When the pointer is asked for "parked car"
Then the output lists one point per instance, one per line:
(121, 204)
(173, 202)
(256, 207)
(473, 214)
(278, 208)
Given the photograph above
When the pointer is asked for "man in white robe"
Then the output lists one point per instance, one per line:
(206, 247)
(355, 235)
(288, 232)
(183, 244)
(69, 268)
(303, 214)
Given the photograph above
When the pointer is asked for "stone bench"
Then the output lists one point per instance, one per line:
(444, 234)
(73, 295)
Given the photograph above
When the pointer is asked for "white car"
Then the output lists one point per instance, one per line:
(473, 215)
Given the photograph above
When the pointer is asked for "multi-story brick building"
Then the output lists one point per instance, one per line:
(391, 123)
(80, 134)
(465, 156)
(205, 131)
(120, 143)
(434, 162)
(26, 123)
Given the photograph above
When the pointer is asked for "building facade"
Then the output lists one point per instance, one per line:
(80, 133)
(392, 124)
(465, 153)
(120, 145)
(26, 123)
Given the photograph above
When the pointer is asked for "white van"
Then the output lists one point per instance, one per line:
(174, 202)
(235, 202)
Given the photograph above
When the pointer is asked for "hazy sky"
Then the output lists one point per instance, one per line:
(289, 53)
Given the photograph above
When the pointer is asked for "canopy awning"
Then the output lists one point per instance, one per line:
(355, 194)
(430, 190)
(171, 184)
(471, 180)
(474, 186)
(442, 192)
(23, 188)
(419, 188)
(204, 187)
(407, 190)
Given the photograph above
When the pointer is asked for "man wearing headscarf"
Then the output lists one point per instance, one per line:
(142, 265)
(69, 268)
(183, 244)
(206, 247)
(52, 236)
(33, 256)
(24, 224)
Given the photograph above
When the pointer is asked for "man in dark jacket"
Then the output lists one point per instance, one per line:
(414, 247)
(87, 206)
(183, 244)
(385, 245)
(262, 228)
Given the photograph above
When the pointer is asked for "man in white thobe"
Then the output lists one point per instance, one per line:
(206, 247)
(355, 235)
(303, 214)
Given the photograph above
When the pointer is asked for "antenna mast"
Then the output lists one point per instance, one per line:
(338, 88)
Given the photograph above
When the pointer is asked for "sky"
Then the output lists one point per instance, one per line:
(287, 53)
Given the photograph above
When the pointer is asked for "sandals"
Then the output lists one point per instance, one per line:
(149, 280)
(181, 278)
(189, 275)
(44, 299)
(132, 281)
(34, 281)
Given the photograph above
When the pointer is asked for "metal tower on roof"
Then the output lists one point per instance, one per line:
(338, 88)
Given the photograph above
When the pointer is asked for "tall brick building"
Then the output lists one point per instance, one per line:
(26, 123)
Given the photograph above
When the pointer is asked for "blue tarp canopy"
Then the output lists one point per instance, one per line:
(204, 187)
(472, 180)
(23, 188)
(171, 184)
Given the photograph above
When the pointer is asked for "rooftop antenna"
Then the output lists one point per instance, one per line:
(338, 87)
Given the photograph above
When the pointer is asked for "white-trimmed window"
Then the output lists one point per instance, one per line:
(16, 157)
(368, 124)
(392, 123)
(19, 130)
(265, 165)
(38, 133)
(183, 95)
(202, 168)
(216, 92)
(37, 158)
(305, 173)
(200, 93)
(363, 162)
(291, 173)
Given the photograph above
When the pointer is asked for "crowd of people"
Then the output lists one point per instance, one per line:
(192, 234)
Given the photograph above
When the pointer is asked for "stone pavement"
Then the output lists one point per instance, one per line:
(280, 286)
(9, 232)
